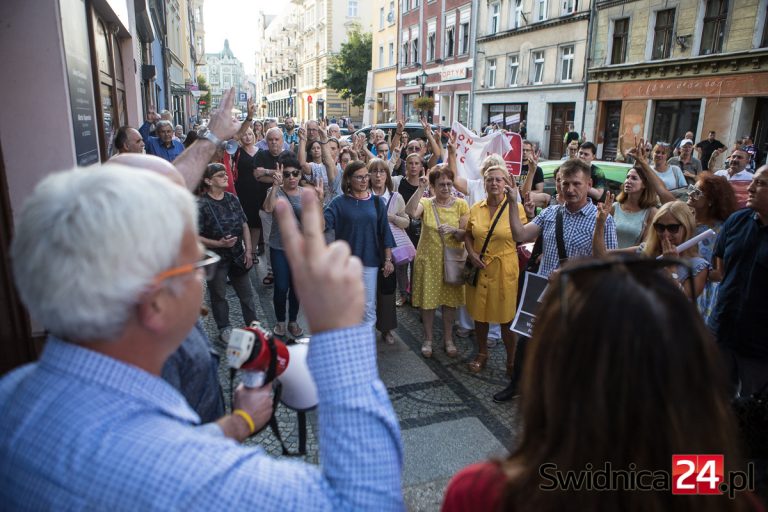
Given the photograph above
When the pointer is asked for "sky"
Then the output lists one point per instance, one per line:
(233, 20)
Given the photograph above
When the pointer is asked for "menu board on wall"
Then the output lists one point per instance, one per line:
(74, 27)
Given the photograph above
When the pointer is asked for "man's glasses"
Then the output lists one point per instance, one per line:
(288, 174)
(694, 192)
(671, 228)
(361, 177)
(638, 266)
(207, 265)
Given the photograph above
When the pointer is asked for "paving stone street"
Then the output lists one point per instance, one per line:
(447, 416)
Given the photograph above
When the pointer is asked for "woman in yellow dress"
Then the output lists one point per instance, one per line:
(429, 291)
(494, 298)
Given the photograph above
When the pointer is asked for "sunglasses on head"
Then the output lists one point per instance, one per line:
(671, 228)
(288, 174)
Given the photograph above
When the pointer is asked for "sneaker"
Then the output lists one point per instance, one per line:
(389, 338)
(463, 333)
(225, 333)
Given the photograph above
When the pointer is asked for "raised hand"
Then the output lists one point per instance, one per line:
(251, 109)
(302, 133)
(604, 209)
(152, 116)
(510, 190)
(452, 143)
(222, 123)
(529, 206)
(423, 182)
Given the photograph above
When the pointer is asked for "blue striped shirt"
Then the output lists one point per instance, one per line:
(83, 431)
(578, 228)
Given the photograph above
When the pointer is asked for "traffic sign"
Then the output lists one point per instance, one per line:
(309, 99)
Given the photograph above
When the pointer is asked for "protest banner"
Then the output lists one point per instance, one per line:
(472, 149)
(534, 287)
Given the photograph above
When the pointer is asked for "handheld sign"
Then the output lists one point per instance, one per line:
(534, 289)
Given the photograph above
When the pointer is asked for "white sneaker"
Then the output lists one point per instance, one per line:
(225, 333)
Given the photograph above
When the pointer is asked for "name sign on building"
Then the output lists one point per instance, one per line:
(453, 74)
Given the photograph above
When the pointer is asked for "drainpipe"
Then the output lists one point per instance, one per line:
(474, 14)
(588, 58)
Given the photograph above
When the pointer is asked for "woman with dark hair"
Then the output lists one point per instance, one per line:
(360, 218)
(635, 206)
(223, 229)
(381, 185)
(618, 392)
(713, 200)
(286, 185)
(429, 290)
(258, 131)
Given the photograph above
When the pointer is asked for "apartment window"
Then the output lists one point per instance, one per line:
(391, 13)
(449, 32)
(406, 5)
(464, 38)
(620, 38)
(541, 10)
(415, 49)
(391, 54)
(415, 4)
(493, 26)
(570, 6)
(198, 15)
(381, 56)
(662, 37)
(406, 53)
(715, 16)
(517, 13)
(430, 47)
(491, 73)
(764, 39)
(566, 63)
(352, 9)
(514, 67)
(199, 46)
(538, 67)
(381, 18)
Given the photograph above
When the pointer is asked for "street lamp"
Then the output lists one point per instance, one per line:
(291, 93)
(424, 77)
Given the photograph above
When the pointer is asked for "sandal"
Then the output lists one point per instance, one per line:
(450, 348)
(388, 338)
(478, 364)
(268, 279)
(255, 258)
(279, 329)
(426, 349)
(400, 301)
(295, 330)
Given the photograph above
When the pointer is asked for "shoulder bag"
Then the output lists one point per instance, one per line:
(404, 252)
(454, 258)
(471, 272)
(237, 252)
(385, 285)
(562, 254)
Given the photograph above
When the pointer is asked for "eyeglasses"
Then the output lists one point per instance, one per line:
(379, 171)
(361, 177)
(220, 175)
(288, 174)
(412, 148)
(207, 265)
(671, 228)
(638, 266)
(694, 192)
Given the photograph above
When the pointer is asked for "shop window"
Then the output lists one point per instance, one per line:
(109, 76)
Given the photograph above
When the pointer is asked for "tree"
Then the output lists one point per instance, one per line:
(348, 69)
(203, 86)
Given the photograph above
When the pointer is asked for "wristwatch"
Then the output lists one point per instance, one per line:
(209, 135)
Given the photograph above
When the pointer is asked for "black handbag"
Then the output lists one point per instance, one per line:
(236, 255)
(752, 418)
(385, 285)
(471, 272)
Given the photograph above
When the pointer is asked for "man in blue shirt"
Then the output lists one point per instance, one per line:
(92, 426)
(739, 321)
(165, 145)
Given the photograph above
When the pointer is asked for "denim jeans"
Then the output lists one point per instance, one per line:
(217, 290)
(370, 278)
(283, 287)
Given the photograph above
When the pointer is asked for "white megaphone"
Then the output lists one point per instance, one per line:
(231, 146)
(299, 391)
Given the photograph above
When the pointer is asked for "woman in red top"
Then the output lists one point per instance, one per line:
(624, 390)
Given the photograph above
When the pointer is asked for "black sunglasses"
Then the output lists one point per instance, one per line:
(635, 265)
(288, 174)
(671, 228)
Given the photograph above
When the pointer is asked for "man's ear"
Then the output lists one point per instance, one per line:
(151, 310)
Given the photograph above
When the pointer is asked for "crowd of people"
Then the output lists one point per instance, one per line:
(637, 343)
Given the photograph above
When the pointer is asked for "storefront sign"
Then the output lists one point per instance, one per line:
(453, 74)
(81, 102)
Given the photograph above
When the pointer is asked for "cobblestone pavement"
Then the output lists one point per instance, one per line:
(447, 417)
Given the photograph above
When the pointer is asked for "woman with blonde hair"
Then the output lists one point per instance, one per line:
(492, 298)
(672, 225)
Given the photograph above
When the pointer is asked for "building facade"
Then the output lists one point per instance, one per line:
(660, 69)
(381, 98)
(530, 67)
(437, 44)
(222, 71)
(278, 69)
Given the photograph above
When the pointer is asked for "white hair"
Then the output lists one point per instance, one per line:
(162, 123)
(89, 241)
(274, 129)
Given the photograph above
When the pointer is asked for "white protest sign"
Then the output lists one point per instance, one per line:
(471, 149)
